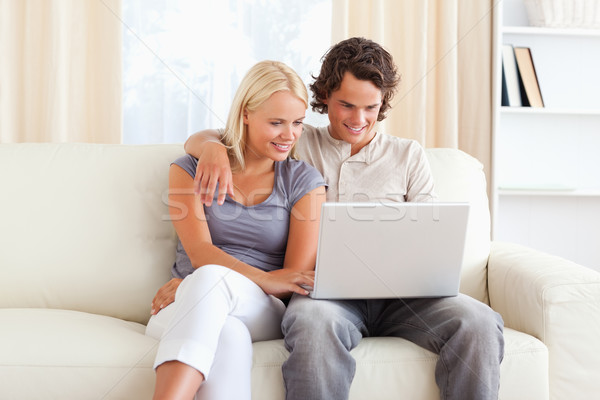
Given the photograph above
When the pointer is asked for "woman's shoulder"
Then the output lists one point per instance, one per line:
(188, 163)
(296, 178)
(294, 169)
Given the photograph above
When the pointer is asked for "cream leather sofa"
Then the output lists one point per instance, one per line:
(86, 242)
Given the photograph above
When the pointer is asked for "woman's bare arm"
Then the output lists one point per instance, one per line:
(301, 251)
(187, 216)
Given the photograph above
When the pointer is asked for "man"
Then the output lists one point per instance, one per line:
(356, 83)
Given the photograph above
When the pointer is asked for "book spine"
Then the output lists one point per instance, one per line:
(511, 73)
(530, 85)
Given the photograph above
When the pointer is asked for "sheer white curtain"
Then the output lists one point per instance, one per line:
(183, 59)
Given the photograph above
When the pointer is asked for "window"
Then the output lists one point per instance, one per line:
(183, 59)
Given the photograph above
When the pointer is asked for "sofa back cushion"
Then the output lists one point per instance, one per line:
(460, 177)
(85, 227)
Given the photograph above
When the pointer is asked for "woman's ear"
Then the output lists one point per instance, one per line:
(245, 115)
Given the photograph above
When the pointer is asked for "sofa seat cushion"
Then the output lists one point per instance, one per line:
(49, 353)
(387, 366)
(46, 353)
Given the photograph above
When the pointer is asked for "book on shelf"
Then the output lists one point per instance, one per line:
(532, 93)
(511, 86)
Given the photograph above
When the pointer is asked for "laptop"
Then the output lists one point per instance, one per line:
(390, 250)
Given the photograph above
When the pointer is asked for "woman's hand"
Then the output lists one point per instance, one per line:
(165, 295)
(282, 283)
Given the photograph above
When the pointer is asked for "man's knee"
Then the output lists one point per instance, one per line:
(306, 313)
(482, 324)
(318, 323)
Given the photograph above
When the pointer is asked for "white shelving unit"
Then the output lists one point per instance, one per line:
(546, 183)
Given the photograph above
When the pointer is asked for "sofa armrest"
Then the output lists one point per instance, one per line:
(557, 301)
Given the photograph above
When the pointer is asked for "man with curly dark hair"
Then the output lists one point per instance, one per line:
(357, 80)
(366, 61)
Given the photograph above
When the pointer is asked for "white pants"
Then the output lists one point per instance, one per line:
(216, 316)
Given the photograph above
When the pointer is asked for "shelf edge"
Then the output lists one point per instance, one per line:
(549, 111)
(548, 192)
(542, 31)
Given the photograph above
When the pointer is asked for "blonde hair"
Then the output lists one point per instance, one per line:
(260, 82)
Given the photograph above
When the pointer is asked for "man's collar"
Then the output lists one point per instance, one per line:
(363, 155)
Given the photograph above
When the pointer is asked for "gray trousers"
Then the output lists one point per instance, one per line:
(465, 333)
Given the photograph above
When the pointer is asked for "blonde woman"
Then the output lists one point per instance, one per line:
(237, 260)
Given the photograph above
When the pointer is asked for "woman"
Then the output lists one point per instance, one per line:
(237, 260)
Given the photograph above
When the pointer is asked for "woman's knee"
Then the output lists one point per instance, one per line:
(211, 270)
(205, 280)
(210, 274)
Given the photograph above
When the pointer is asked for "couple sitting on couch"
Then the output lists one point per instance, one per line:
(231, 275)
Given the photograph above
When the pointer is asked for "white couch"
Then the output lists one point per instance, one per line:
(86, 242)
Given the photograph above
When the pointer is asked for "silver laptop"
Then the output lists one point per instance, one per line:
(390, 250)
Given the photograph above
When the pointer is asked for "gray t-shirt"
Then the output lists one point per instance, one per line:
(256, 235)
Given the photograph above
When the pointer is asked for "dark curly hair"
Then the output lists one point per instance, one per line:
(364, 59)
